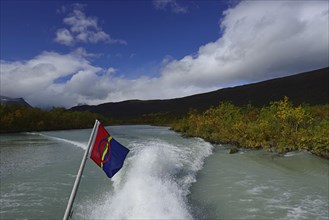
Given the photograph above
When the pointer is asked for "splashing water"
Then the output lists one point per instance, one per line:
(156, 179)
(154, 182)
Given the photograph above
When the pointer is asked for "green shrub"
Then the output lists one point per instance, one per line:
(280, 126)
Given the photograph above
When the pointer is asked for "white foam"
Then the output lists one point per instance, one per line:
(291, 153)
(310, 205)
(154, 182)
(258, 190)
(75, 143)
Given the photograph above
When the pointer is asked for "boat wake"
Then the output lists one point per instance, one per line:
(74, 143)
(154, 182)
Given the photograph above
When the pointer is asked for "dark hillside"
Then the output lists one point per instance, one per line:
(309, 87)
(13, 101)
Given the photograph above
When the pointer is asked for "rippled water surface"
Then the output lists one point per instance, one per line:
(164, 176)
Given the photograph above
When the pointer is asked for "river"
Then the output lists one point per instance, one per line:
(165, 176)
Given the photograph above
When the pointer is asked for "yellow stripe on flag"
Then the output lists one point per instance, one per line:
(106, 149)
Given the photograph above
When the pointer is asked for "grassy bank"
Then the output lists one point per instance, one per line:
(280, 126)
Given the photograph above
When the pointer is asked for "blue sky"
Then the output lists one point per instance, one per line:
(104, 51)
(150, 34)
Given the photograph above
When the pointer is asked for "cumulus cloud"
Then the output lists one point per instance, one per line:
(53, 79)
(81, 28)
(171, 5)
(260, 40)
(63, 36)
(35, 79)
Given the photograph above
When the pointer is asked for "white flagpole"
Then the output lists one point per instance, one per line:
(67, 214)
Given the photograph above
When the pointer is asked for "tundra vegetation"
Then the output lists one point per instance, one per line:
(279, 127)
(17, 118)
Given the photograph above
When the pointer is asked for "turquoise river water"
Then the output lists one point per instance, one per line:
(165, 176)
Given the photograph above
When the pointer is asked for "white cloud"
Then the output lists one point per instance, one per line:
(260, 40)
(171, 5)
(35, 79)
(82, 29)
(39, 81)
(63, 36)
(111, 70)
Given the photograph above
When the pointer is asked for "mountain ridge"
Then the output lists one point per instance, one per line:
(4, 100)
(310, 87)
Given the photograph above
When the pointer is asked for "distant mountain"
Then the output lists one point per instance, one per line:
(309, 87)
(13, 101)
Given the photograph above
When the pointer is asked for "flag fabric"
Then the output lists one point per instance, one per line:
(107, 153)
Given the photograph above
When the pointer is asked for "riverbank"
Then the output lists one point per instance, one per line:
(280, 127)
(18, 118)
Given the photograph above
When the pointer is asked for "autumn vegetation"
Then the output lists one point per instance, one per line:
(279, 127)
(17, 118)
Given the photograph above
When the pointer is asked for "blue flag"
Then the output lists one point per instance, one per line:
(107, 153)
